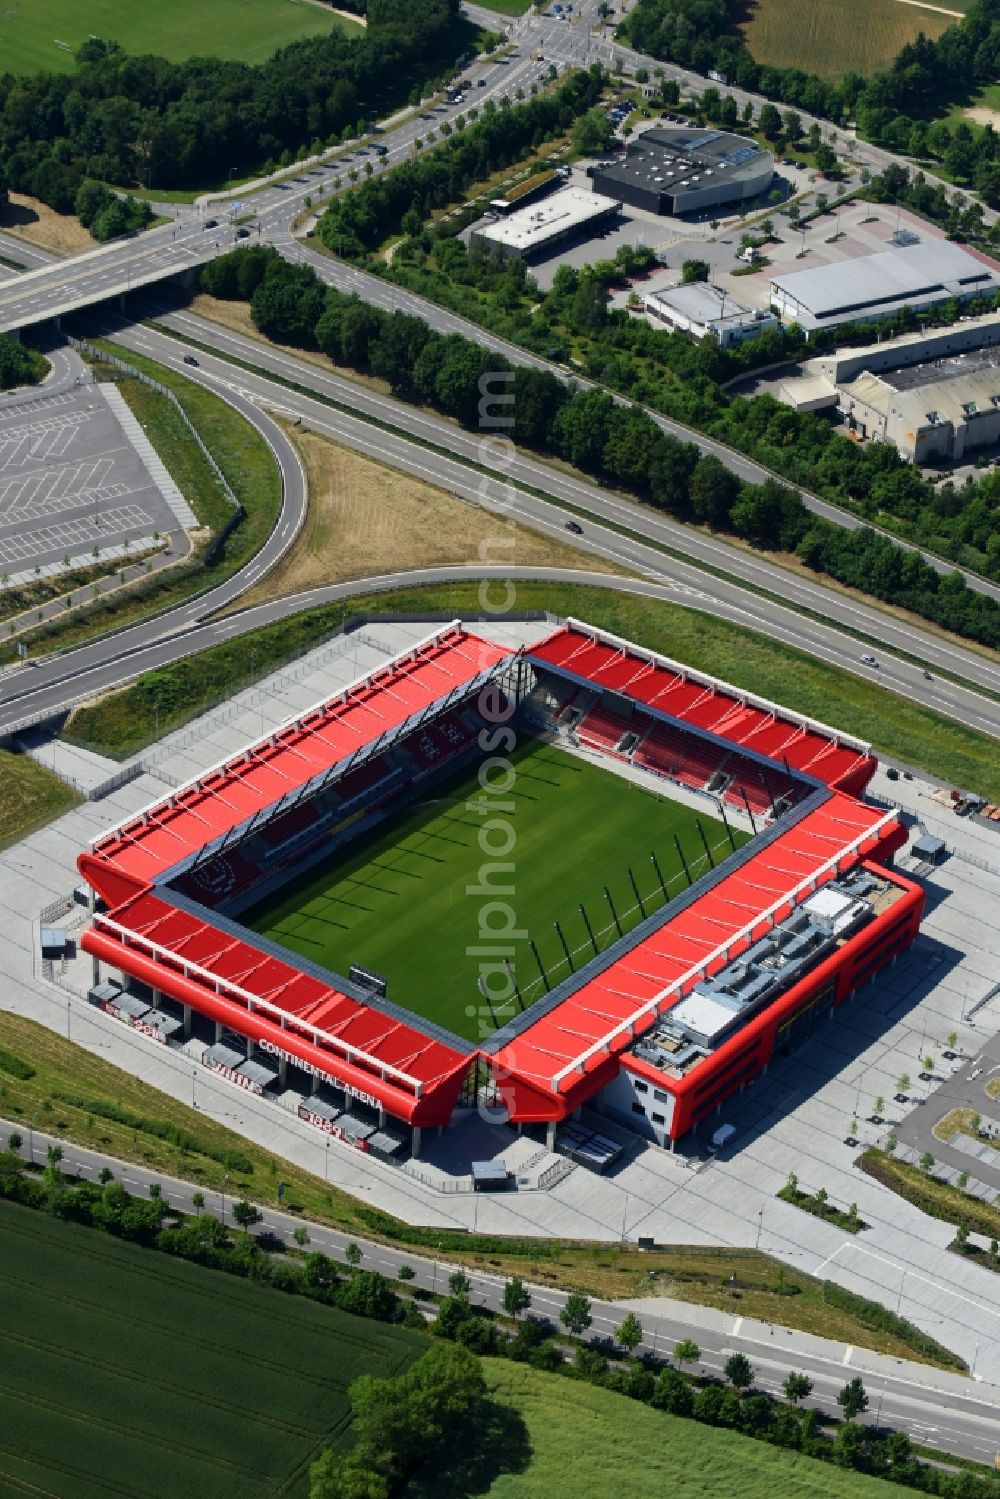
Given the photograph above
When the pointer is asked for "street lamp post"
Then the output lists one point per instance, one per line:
(225, 1183)
(899, 1293)
(760, 1223)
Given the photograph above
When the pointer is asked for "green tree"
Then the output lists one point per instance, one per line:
(246, 1215)
(687, 1352)
(459, 1284)
(629, 1333)
(575, 1314)
(592, 132)
(739, 1371)
(926, 1162)
(797, 1387)
(406, 1272)
(301, 1235)
(352, 1254)
(695, 270)
(516, 1297)
(853, 1399)
(197, 1201)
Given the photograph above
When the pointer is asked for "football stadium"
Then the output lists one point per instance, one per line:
(573, 872)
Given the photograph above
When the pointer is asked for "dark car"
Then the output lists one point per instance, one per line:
(381, 150)
(190, 359)
(243, 233)
(211, 224)
(575, 527)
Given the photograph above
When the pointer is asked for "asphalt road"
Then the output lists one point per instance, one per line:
(379, 293)
(43, 689)
(938, 1410)
(722, 592)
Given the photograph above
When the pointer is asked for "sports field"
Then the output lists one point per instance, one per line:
(130, 1375)
(833, 37)
(37, 36)
(399, 902)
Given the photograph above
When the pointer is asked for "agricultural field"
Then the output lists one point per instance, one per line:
(552, 1438)
(397, 902)
(136, 1375)
(34, 37)
(834, 37)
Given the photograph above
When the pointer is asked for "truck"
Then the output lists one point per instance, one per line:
(722, 1136)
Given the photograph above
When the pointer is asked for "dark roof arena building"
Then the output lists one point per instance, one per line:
(656, 1030)
(683, 170)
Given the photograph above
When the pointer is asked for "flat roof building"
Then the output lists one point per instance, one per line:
(939, 410)
(534, 230)
(880, 285)
(701, 309)
(683, 169)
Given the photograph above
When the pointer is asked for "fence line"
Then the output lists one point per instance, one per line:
(85, 347)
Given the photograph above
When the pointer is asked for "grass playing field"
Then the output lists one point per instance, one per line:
(34, 36)
(135, 1375)
(399, 901)
(833, 37)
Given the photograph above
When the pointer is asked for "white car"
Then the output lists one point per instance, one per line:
(869, 661)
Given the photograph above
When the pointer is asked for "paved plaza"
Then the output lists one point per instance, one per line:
(796, 1117)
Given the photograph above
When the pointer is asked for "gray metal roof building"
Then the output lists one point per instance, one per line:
(685, 169)
(880, 285)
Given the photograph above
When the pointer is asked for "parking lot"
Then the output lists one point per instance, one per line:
(73, 479)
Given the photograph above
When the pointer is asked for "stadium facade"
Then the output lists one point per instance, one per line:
(657, 1030)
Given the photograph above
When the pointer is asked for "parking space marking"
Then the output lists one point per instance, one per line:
(30, 496)
(73, 535)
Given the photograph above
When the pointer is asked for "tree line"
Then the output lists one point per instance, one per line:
(662, 370)
(893, 108)
(359, 221)
(143, 120)
(413, 1422)
(622, 444)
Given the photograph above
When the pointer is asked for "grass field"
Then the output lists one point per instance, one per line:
(366, 519)
(833, 37)
(46, 36)
(30, 796)
(133, 1374)
(399, 902)
(556, 1439)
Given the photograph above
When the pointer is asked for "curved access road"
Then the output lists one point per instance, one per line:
(22, 700)
(42, 690)
(734, 571)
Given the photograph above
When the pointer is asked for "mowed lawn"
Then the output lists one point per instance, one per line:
(399, 902)
(128, 1373)
(45, 36)
(551, 1438)
(833, 37)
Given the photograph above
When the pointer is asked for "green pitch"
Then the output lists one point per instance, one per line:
(398, 902)
(131, 1373)
(36, 36)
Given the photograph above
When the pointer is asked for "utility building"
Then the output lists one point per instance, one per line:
(703, 310)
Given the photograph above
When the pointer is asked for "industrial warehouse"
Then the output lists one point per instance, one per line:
(685, 170)
(917, 277)
(933, 394)
(679, 1008)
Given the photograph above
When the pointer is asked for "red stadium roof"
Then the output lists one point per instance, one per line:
(227, 977)
(702, 702)
(231, 980)
(605, 1014)
(164, 834)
